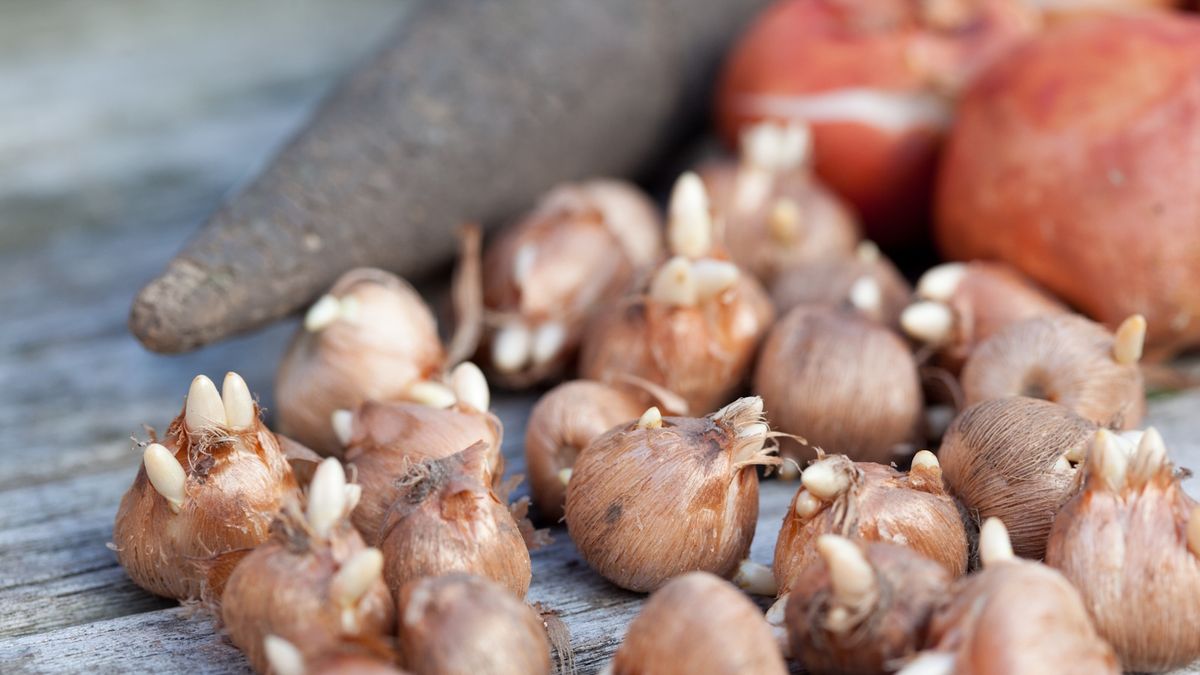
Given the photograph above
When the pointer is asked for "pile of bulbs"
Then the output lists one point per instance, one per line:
(754, 334)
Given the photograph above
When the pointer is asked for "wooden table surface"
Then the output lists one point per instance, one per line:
(122, 125)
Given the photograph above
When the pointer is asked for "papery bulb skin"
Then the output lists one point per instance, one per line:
(774, 214)
(698, 623)
(582, 247)
(445, 518)
(872, 503)
(875, 80)
(206, 493)
(459, 623)
(1130, 541)
(1067, 359)
(1014, 617)
(692, 479)
(866, 283)
(370, 338)
(388, 439)
(1015, 459)
(842, 382)
(961, 305)
(314, 583)
(1050, 183)
(862, 607)
(562, 423)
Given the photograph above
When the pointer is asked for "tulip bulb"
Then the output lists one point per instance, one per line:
(698, 623)
(961, 305)
(565, 420)
(206, 493)
(445, 517)
(582, 247)
(1015, 459)
(1014, 616)
(692, 480)
(846, 384)
(872, 503)
(861, 607)
(776, 215)
(385, 440)
(459, 623)
(695, 328)
(1130, 542)
(314, 583)
(370, 338)
(866, 282)
(1067, 359)
(350, 657)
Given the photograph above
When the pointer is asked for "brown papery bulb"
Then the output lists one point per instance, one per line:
(1130, 541)
(866, 282)
(314, 582)
(696, 328)
(845, 383)
(459, 623)
(775, 214)
(1015, 617)
(565, 420)
(1066, 359)
(447, 518)
(698, 623)
(370, 338)
(962, 304)
(860, 607)
(581, 248)
(385, 440)
(205, 494)
(874, 503)
(1015, 459)
(350, 657)
(661, 496)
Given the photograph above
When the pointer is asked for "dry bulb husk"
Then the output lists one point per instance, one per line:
(698, 623)
(1130, 541)
(314, 583)
(873, 503)
(960, 305)
(661, 496)
(566, 419)
(206, 494)
(1015, 459)
(1015, 617)
(774, 213)
(866, 282)
(447, 518)
(845, 383)
(696, 327)
(581, 248)
(385, 440)
(458, 624)
(861, 608)
(351, 656)
(1066, 359)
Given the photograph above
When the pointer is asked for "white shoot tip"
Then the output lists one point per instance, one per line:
(523, 261)
(867, 252)
(850, 573)
(774, 146)
(166, 474)
(511, 348)
(994, 544)
(930, 663)
(356, 577)
(926, 461)
(1130, 339)
(713, 277)
(283, 656)
(470, 386)
(824, 480)
(867, 297)
(204, 407)
(928, 321)
(326, 497)
(564, 475)
(784, 221)
(238, 403)
(432, 394)
(674, 284)
(322, 314)
(1149, 458)
(941, 282)
(806, 505)
(651, 419)
(755, 579)
(690, 228)
(548, 342)
(1107, 461)
(343, 426)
